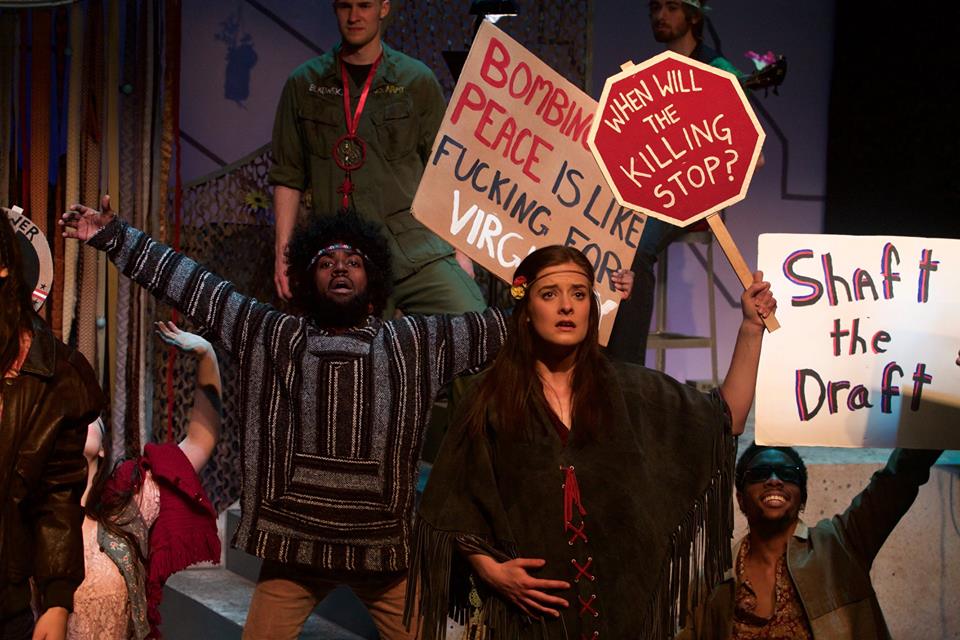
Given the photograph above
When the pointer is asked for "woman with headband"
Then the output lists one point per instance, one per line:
(571, 492)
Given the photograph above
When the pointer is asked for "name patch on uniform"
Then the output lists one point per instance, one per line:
(391, 89)
(325, 91)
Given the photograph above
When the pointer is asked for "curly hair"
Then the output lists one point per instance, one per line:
(755, 449)
(349, 228)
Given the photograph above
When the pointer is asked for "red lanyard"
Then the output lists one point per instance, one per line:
(353, 119)
(350, 151)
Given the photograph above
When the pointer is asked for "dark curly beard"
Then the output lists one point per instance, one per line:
(330, 314)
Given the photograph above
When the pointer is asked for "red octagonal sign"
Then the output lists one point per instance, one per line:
(675, 138)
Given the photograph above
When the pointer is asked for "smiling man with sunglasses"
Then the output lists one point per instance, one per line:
(794, 581)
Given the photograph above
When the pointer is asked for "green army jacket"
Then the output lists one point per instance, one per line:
(398, 124)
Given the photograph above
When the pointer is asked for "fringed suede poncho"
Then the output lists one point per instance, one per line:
(633, 520)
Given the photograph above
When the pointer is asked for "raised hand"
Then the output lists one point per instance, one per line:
(622, 280)
(82, 223)
(757, 301)
(512, 581)
(185, 341)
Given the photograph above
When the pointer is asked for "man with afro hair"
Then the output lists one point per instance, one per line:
(335, 404)
(341, 303)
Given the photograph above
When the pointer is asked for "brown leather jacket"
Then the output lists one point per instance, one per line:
(43, 426)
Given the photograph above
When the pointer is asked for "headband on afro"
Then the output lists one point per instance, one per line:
(345, 227)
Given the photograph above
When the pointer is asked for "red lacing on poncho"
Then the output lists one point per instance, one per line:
(571, 501)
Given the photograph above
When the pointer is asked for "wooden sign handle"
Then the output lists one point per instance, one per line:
(737, 262)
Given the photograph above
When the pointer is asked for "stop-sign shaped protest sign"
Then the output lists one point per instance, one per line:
(675, 138)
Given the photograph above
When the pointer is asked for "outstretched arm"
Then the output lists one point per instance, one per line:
(203, 429)
(201, 295)
(757, 302)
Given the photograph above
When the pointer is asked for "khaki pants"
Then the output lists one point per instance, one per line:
(287, 594)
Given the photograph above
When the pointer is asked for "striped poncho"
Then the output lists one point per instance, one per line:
(332, 425)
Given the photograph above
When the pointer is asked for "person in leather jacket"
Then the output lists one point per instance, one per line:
(48, 396)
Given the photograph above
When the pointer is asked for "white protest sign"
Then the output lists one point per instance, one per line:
(868, 353)
(510, 170)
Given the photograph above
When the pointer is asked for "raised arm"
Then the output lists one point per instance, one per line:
(465, 343)
(738, 388)
(201, 295)
(203, 428)
(876, 510)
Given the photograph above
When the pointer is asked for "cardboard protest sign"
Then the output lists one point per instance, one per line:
(510, 170)
(35, 252)
(676, 138)
(869, 353)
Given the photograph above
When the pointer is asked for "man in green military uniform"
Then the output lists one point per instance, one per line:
(353, 129)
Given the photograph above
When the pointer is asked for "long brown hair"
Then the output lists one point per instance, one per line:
(106, 504)
(16, 307)
(511, 386)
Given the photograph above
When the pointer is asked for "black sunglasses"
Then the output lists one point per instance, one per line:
(762, 472)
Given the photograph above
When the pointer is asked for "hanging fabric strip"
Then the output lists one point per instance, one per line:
(171, 48)
(92, 127)
(125, 428)
(71, 251)
(23, 112)
(143, 299)
(8, 61)
(39, 152)
(173, 22)
(111, 139)
(58, 128)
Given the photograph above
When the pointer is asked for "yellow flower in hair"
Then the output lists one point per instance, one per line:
(519, 288)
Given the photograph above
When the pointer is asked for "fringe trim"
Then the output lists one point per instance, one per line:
(439, 585)
(699, 553)
(167, 559)
(186, 549)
